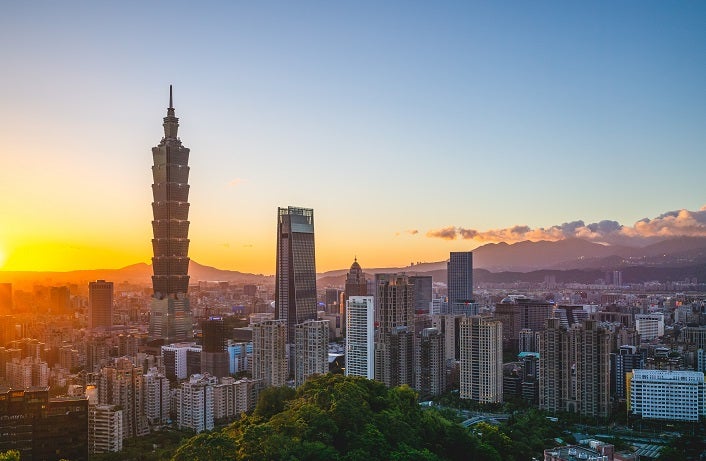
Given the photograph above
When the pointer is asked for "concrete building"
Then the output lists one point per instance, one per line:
(360, 337)
(422, 288)
(214, 356)
(295, 278)
(176, 358)
(105, 429)
(43, 428)
(156, 395)
(394, 342)
(5, 299)
(170, 311)
(310, 350)
(574, 368)
(100, 304)
(231, 398)
(667, 395)
(195, 404)
(449, 326)
(356, 285)
(269, 352)
(481, 377)
(123, 384)
(649, 326)
(431, 364)
(519, 313)
(622, 363)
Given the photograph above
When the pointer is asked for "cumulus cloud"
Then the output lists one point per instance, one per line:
(645, 231)
(447, 233)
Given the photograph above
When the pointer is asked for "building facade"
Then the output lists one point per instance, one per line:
(431, 363)
(360, 337)
(295, 278)
(460, 281)
(195, 404)
(269, 352)
(481, 375)
(574, 368)
(311, 350)
(100, 304)
(667, 395)
(105, 429)
(394, 338)
(170, 312)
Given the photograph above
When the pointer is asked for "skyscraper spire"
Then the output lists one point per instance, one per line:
(171, 122)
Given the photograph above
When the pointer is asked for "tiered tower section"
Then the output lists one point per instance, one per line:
(170, 208)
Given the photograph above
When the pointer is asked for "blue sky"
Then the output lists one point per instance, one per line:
(384, 117)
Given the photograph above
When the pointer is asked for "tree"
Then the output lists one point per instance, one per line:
(10, 455)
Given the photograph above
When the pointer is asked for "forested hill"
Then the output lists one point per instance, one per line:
(332, 417)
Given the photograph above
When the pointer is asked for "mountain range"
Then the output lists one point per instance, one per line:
(579, 260)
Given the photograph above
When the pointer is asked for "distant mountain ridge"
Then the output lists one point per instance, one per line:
(681, 255)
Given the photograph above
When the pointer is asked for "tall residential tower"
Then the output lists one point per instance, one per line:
(170, 318)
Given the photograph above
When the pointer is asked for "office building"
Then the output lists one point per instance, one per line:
(214, 356)
(667, 395)
(195, 404)
(574, 368)
(269, 352)
(181, 360)
(360, 337)
(481, 377)
(105, 429)
(431, 364)
(622, 363)
(695, 336)
(60, 300)
(43, 428)
(460, 283)
(170, 311)
(649, 326)
(295, 278)
(311, 350)
(5, 299)
(422, 287)
(394, 343)
(100, 305)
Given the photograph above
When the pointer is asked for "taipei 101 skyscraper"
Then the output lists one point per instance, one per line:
(170, 313)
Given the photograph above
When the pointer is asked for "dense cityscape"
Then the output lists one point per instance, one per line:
(86, 369)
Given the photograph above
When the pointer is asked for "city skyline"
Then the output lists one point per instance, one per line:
(484, 123)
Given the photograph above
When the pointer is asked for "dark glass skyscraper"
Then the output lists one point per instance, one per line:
(460, 280)
(295, 281)
(170, 317)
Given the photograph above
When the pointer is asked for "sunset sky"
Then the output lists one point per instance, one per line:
(411, 128)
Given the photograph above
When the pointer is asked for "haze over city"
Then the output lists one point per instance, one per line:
(412, 129)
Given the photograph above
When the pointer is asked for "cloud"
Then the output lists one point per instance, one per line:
(679, 223)
(447, 233)
(412, 231)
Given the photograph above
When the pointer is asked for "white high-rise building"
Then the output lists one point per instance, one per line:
(194, 402)
(269, 352)
(310, 349)
(156, 396)
(360, 336)
(481, 340)
(649, 326)
(105, 429)
(175, 359)
(667, 395)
